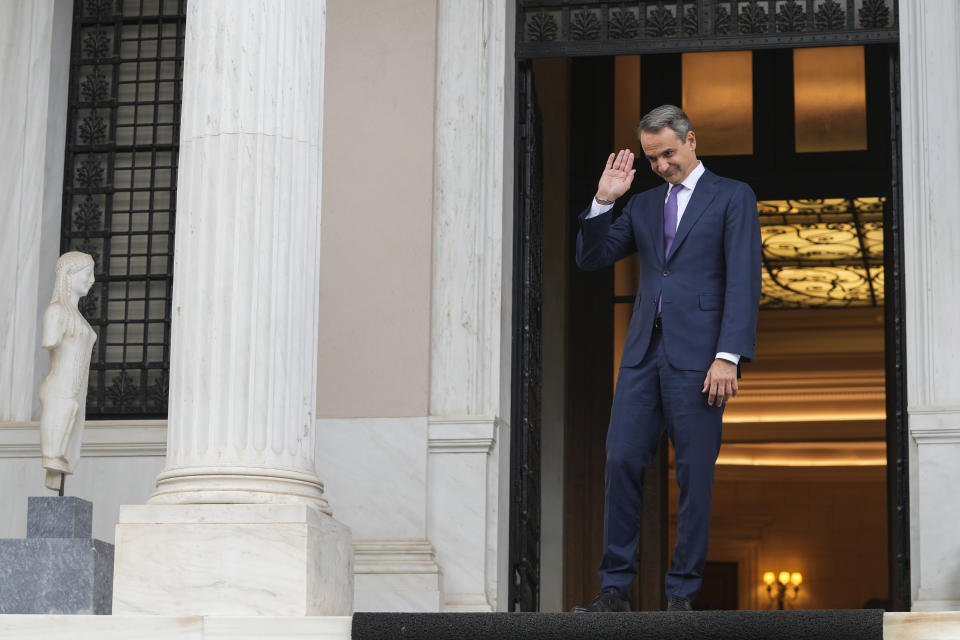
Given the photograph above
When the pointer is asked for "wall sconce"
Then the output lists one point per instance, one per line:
(786, 583)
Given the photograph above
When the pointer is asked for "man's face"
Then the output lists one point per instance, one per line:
(670, 157)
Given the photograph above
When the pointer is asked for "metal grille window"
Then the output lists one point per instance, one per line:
(120, 191)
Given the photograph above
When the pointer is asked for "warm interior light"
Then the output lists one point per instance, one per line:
(829, 99)
(796, 578)
(803, 417)
(717, 94)
(626, 115)
(784, 577)
(768, 577)
(804, 454)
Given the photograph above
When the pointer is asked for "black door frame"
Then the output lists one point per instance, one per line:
(571, 28)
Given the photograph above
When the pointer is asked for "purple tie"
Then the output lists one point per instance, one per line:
(669, 229)
(670, 219)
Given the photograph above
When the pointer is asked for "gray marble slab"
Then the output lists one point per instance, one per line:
(56, 576)
(58, 568)
(59, 517)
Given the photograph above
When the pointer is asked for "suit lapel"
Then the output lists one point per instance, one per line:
(703, 194)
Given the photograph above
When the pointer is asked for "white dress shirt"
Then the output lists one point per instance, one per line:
(683, 198)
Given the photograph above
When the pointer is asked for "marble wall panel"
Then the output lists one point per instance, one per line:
(930, 83)
(937, 551)
(472, 212)
(930, 76)
(375, 474)
(397, 592)
(458, 513)
(18, 32)
(471, 303)
(33, 73)
(463, 511)
(56, 123)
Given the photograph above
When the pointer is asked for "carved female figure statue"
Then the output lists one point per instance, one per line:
(63, 393)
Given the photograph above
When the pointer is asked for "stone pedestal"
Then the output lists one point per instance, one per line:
(232, 559)
(58, 568)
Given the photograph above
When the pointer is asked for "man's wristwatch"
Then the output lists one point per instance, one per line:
(602, 201)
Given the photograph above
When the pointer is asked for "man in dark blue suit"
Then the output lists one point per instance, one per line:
(694, 321)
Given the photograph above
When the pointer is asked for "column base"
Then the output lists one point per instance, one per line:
(239, 485)
(232, 560)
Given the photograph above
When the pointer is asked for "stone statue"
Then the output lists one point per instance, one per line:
(63, 393)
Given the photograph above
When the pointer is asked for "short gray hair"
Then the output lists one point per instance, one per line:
(666, 115)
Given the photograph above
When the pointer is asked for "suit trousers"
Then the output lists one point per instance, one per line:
(650, 397)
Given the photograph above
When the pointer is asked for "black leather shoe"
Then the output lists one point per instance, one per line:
(676, 603)
(607, 600)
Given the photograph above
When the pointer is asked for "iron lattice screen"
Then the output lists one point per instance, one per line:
(126, 69)
(549, 28)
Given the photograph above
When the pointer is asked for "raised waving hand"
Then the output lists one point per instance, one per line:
(617, 175)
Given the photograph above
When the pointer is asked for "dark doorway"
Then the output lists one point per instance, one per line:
(776, 172)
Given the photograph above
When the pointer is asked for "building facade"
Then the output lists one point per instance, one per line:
(402, 163)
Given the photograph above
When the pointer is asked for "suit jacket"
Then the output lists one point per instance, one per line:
(710, 281)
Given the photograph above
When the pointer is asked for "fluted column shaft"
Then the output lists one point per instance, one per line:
(244, 326)
(930, 82)
(468, 480)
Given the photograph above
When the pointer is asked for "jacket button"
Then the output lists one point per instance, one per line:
(666, 273)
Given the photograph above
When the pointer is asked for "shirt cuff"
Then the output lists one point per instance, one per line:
(596, 209)
(730, 357)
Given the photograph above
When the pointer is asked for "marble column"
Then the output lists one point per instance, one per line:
(468, 467)
(243, 355)
(930, 83)
(34, 74)
(239, 524)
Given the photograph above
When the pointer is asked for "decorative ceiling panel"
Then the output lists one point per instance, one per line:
(825, 252)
